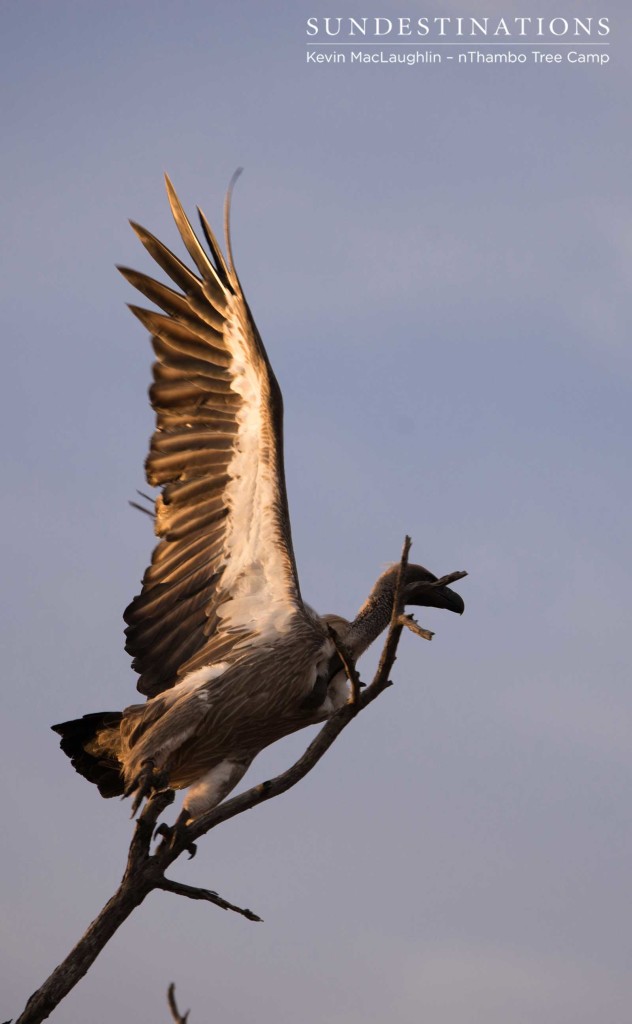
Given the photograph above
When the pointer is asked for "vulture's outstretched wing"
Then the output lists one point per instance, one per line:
(224, 571)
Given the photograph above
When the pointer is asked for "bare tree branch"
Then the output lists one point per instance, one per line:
(451, 577)
(389, 651)
(145, 871)
(412, 624)
(194, 893)
(179, 1018)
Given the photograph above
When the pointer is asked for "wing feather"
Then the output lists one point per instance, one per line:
(210, 274)
(178, 334)
(224, 568)
(174, 267)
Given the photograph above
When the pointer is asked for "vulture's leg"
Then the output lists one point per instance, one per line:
(170, 832)
(146, 782)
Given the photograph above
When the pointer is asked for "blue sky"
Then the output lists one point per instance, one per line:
(438, 260)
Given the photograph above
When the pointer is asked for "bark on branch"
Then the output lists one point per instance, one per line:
(145, 870)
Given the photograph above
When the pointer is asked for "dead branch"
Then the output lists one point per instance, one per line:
(179, 1018)
(145, 870)
(195, 893)
(412, 624)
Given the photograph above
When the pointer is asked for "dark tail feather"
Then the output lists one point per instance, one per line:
(104, 771)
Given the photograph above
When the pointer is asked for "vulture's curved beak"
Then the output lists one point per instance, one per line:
(429, 595)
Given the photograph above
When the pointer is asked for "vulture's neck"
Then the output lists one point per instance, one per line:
(373, 617)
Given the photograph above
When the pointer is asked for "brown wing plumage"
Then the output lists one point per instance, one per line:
(224, 569)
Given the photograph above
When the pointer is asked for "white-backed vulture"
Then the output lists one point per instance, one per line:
(229, 657)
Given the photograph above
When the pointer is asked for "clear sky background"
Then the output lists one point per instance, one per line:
(438, 258)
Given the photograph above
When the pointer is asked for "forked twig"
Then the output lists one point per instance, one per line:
(414, 627)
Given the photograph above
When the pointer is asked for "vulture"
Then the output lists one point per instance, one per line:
(228, 655)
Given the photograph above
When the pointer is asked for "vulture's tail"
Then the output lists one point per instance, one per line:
(90, 743)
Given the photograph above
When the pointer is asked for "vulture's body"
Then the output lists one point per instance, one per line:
(229, 656)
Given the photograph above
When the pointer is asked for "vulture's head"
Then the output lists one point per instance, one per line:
(420, 589)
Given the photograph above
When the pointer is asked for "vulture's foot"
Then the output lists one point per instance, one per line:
(177, 831)
(146, 782)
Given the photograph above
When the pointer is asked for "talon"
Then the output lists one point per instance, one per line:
(169, 833)
(145, 783)
(164, 830)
